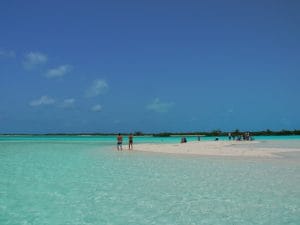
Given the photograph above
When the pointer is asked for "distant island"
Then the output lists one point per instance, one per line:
(169, 134)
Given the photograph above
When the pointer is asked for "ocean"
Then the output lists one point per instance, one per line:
(83, 180)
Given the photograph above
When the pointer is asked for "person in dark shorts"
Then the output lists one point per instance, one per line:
(130, 141)
(119, 142)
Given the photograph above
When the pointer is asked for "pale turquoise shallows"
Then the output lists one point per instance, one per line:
(73, 182)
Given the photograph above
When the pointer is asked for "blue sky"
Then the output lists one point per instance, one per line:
(151, 66)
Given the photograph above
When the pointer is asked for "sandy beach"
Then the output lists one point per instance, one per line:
(216, 148)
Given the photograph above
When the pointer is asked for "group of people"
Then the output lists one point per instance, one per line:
(120, 142)
(183, 140)
(246, 136)
(243, 137)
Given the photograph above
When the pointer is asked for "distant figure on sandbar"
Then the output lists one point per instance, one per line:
(198, 138)
(130, 141)
(119, 142)
(183, 140)
(229, 136)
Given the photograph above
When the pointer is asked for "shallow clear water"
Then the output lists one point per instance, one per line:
(86, 182)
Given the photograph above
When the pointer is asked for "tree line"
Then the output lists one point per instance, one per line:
(236, 132)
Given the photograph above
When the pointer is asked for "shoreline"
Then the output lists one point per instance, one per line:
(216, 148)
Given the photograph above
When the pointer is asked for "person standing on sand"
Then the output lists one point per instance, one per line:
(119, 142)
(130, 141)
(229, 136)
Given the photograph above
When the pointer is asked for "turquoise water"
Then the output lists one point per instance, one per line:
(139, 139)
(81, 180)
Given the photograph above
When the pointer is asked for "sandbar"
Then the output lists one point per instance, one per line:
(216, 148)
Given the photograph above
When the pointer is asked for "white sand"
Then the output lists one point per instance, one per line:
(214, 148)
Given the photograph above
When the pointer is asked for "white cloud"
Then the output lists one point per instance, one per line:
(285, 121)
(96, 108)
(43, 100)
(192, 119)
(98, 87)
(7, 54)
(158, 106)
(59, 71)
(230, 110)
(33, 59)
(68, 103)
(116, 121)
